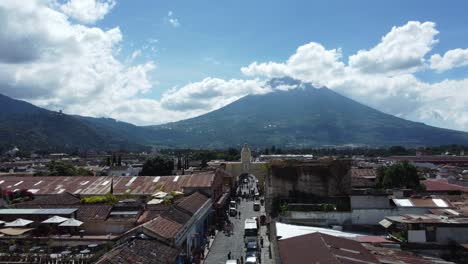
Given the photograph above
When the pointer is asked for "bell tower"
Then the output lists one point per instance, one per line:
(246, 158)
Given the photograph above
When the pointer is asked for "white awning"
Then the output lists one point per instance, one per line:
(15, 231)
(18, 222)
(71, 222)
(55, 220)
(155, 201)
(160, 195)
(385, 223)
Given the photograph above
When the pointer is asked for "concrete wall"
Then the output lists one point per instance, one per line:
(190, 228)
(321, 218)
(106, 227)
(370, 201)
(446, 234)
(417, 236)
(300, 182)
(355, 217)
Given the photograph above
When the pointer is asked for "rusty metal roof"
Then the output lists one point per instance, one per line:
(423, 202)
(322, 248)
(427, 219)
(91, 185)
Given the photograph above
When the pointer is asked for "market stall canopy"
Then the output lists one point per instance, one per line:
(155, 201)
(385, 223)
(15, 231)
(55, 220)
(160, 195)
(71, 222)
(19, 222)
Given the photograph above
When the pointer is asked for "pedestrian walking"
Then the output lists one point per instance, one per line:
(242, 260)
(239, 215)
(261, 241)
(229, 255)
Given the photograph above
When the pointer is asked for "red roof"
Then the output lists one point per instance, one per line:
(193, 202)
(373, 239)
(393, 255)
(443, 185)
(322, 248)
(141, 252)
(163, 227)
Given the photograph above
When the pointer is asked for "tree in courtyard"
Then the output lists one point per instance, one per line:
(60, 168)
(157, 166)
(399, 175)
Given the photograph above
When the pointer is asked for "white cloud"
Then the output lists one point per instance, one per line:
(135, 54)
(210, 94)
(311, 62)
(401, 50)
(69, 66)
(451, 59)
(382, 77)
(172, 20)
(87, 11)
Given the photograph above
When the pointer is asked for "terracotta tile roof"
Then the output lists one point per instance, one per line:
(141, 252)
(65, 198)
(152, 211)
(163, 227)
(322, 248)
(393, 255)
(93, 211)
(193, 202)
(177, 215)
(373, 239)
(443, 185)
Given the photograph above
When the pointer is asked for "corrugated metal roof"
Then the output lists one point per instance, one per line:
(427, 219)
(64, 211)
(424, 202)
(90, 185)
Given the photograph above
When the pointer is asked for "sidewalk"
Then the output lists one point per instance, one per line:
(210, 243)
(265, 251)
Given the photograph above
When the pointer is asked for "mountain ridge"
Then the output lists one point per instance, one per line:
(290, 113)
(302, 116)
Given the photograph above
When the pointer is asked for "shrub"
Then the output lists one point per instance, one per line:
(100, 199)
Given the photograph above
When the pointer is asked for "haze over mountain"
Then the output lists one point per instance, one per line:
(30, 127)
(294, 115)
(303, 115)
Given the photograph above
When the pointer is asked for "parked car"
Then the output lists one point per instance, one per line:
(251, 260)
(231, 261)
(252, 247)
(256, 206)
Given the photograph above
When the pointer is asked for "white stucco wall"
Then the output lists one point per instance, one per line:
(370, 201)
(356, 217)
(445, 234)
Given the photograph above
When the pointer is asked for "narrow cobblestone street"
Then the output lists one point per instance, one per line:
(223, 244)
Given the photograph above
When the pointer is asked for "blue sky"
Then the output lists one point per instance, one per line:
(151, 62)
(217, 38)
